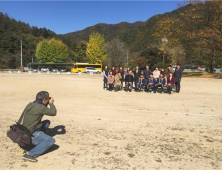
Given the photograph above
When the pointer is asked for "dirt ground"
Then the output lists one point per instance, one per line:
(102, 130)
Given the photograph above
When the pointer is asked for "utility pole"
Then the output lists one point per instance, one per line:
(21, 67)
(165, 42)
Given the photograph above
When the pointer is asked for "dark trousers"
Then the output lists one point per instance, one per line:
(136, 83)
(105, 82)
(169, 88)
(177, 84)
(146, 82)
(122, 82)
(45, 125)
(140, 86)
(159, 85)
(110, 87)
(128, 86)
(150, 87)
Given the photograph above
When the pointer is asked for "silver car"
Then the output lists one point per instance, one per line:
(44, 70)
(91, 69)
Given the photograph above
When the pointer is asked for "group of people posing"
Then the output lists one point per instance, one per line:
(143, 80)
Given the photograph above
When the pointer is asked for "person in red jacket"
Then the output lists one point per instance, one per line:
(113, 71)
(170, 83)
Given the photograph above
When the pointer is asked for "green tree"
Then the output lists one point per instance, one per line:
(53, 50)
(154, 55)
(95, 50)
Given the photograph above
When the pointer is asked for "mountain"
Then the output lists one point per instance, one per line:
(136, 35)
(193, 32)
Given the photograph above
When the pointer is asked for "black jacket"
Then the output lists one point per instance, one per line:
(129, 78)
(178, 75)
(136, 74)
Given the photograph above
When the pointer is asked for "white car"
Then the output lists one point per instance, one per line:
(44, 70)
(91, 69)
(35, 70)
(54, 70)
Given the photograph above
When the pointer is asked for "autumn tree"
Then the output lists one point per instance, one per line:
(138, 60)
(53, 50)
(203, 25)
(177, 55)
(116, 53)
(170, 33)
(95, 50)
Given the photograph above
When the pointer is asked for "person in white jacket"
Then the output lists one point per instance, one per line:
(156, 73)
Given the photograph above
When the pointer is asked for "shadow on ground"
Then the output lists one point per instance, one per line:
(57, 130)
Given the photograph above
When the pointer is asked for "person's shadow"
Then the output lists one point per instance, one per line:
(57, 130)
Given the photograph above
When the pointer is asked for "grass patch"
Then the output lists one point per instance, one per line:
(131, 155)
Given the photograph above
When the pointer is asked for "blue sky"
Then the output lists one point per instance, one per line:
(69, 16)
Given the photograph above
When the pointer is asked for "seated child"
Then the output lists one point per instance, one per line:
(129, 82)
(110, 81)
(151, 84)
(117, 83)
(161, 81)
(141, 82)
(170, 83)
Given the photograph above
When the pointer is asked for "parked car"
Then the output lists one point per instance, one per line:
(44, 69)
(25, 69)
(63, 69)
(91, 69)
(35, 70)
(55, 70)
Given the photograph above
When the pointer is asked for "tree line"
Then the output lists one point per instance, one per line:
(193, 33)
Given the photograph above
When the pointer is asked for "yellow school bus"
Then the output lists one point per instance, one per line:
(80, 67)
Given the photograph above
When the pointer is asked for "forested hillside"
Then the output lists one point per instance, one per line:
(193, 31)
(11, 33)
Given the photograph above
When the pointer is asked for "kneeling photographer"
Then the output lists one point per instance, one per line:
(34, 112)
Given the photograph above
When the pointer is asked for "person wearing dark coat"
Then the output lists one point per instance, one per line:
(105, 76)
(137, 74)
(129, 82)
(121, 71)
(146, 74)
(178, 76)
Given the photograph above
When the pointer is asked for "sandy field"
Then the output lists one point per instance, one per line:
(102, 130)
